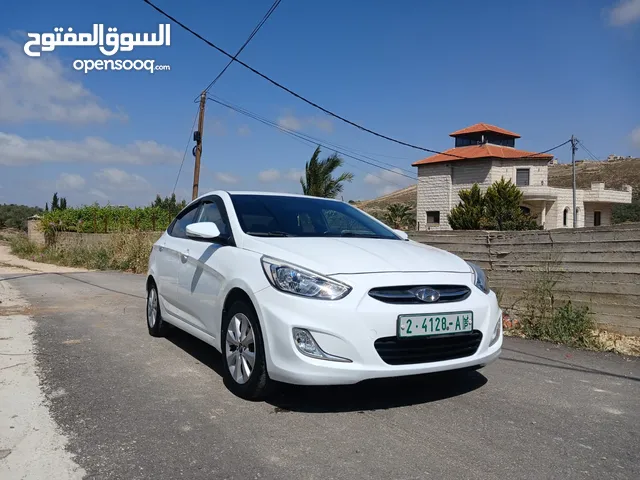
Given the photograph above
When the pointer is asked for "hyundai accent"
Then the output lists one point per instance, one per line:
(313, 291)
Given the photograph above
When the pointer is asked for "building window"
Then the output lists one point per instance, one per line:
(433, 217)
(525, 210)
(596, 219)
(522, 177)
(565, 216)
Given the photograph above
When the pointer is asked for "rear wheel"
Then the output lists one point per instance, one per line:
(155, 324)
(243, 357)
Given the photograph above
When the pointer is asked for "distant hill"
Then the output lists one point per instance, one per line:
(614, 174)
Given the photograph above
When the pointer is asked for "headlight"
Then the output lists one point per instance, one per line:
(479, 278)
(299, 281)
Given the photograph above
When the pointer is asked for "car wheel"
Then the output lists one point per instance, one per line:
(243, 357)
(157, 327)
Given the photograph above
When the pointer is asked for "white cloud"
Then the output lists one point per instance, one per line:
(218, 128)
(70, 181)
(290, 122)
(38, 89)
(323, 124)
(635, 136)
(372, 179)
(98, 193)
(226, 177)
(19, 151)
(116, 179)
(244, 130)
(270, 175)
(624, 13)
(294, 175)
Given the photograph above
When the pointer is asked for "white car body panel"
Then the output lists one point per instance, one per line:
(195, 277)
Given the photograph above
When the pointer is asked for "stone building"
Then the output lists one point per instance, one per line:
(488, 154)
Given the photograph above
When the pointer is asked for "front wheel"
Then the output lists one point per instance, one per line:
(243, 357)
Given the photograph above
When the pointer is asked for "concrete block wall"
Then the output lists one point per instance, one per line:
(503, 168)
(598, 267)
(434, 193)
(34, 232)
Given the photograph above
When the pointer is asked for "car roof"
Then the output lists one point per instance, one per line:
(273, 194)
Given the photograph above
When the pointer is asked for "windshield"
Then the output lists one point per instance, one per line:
(283, 216)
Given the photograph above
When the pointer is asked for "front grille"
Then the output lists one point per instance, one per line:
(406, 294)
(438, 348)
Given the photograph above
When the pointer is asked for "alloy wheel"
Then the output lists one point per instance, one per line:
(152, 307)
(240, 348)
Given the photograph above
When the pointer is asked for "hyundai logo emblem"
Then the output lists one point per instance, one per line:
(427, 295)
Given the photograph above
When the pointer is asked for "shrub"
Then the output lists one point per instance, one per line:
(22, 247)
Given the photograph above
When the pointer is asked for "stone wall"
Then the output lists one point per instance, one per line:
(91, 240)
(598, 267)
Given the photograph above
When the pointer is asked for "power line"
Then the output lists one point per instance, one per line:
(186, 148)
(307, 138)
(588, 151)
(266, 16)
(288, 90)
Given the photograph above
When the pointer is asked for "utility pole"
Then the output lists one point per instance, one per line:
(574, 147)
(197, 137)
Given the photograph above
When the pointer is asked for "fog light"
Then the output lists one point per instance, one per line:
(306, 344)
(496, 331)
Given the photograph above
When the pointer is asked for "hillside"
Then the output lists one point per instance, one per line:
(614, 174)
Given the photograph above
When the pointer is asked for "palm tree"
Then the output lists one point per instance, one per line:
(319, 181)
(399, 215)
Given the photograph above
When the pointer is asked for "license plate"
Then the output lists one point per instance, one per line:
(434, 324)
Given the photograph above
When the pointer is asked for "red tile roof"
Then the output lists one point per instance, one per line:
(484, 127)
(486, 150)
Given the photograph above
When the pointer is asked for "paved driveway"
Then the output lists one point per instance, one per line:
(138, 407)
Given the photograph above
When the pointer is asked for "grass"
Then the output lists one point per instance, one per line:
(127, 252)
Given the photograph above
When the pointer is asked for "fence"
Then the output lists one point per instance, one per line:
(600, 267)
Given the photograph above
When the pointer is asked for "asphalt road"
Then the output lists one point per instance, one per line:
(135, 407)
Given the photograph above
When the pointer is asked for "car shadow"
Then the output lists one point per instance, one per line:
(379, 394)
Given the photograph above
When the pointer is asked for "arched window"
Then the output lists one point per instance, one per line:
(525, 210)
(565, 216)
(577, 216)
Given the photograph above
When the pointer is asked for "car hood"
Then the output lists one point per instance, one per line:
(331, 256)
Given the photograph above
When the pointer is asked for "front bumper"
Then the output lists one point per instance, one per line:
(349, 327)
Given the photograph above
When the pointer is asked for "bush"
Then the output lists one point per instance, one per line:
(541, 319)
(22, 247)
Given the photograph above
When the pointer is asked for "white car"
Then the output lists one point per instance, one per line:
(313, 291)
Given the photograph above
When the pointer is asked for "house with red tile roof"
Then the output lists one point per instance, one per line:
(484, 154)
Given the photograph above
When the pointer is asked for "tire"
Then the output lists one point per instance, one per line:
(236, 355)
(156, 326)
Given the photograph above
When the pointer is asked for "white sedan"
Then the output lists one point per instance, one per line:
(313, 291)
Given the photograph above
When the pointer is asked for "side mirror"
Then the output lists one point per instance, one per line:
(402, 234)
(204, 230)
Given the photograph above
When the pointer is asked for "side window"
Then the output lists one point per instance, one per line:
(211, 213)
(180, 226)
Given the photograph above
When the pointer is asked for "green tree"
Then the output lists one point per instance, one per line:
(46, 207)
(63, 203)
(468, 215)
(498, 209)
(55, 202)
(399, 216)
(319, 180)
(169, 204)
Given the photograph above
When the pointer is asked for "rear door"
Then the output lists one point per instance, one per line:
(201, 279)
(174, 257)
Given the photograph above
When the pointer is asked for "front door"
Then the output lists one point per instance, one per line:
(200, 280)
(172, 251)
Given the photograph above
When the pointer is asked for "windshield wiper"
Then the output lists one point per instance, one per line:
(362, 235)
(269, 234)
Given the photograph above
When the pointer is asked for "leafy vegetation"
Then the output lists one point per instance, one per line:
(109, 218)
(497, 209)
(15, 216)
(123, 251)
(541, 319)
(319, 180)
(629, 212)
(400, 216)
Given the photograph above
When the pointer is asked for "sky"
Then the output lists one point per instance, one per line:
(412, 70)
